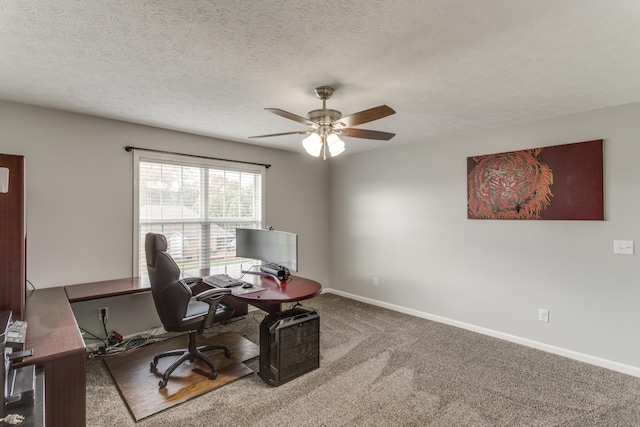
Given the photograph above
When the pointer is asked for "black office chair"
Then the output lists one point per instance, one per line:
(179, 310)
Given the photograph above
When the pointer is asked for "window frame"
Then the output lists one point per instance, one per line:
(183, 160)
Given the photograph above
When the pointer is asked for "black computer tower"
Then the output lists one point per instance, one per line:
(289, 345)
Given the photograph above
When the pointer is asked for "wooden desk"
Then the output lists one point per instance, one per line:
(269, 300)
(274, 295)
(106, 288)
(58, 347)
(128, 286)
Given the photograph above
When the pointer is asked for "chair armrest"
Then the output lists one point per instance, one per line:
(213, 293)
(192, 281)
(213, 298)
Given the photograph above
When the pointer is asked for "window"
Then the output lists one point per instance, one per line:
(197, 204)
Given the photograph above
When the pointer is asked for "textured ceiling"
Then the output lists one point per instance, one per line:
(211, 67)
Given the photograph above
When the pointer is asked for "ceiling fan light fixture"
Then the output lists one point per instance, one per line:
(336, 145)
(313, 144)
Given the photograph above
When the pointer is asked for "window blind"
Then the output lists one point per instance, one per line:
(197, 205)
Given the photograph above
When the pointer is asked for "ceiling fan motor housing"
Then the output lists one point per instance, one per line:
(324, 116)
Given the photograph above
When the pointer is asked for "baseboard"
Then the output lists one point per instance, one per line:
(603, 363)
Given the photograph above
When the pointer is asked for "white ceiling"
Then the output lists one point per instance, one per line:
(210, 67)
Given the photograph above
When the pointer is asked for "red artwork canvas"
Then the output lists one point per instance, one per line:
(558, 182)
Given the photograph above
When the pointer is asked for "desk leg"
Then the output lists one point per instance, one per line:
(65, 382)
(241, 308)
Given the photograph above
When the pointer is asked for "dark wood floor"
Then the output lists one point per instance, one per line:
(139, 386)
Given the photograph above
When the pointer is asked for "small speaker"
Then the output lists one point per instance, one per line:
(289, 345)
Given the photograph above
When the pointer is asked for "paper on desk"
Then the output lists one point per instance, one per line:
(239, 290)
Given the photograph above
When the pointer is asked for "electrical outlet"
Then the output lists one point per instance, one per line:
(543, 315)
(375, 281)
(103, 313)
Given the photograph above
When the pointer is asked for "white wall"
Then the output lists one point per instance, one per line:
(399, 214)
(80, 201)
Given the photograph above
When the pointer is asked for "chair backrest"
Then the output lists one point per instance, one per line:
(170, 295)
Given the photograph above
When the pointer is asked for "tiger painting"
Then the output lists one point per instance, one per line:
(514, 185)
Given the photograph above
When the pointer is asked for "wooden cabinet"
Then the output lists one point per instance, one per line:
(52, 332)
(13, 238)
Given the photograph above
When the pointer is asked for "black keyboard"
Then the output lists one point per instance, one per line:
(222, 281)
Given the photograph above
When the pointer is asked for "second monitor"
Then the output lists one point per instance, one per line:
(279, 248)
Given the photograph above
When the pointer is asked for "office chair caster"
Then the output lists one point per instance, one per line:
(163, 383)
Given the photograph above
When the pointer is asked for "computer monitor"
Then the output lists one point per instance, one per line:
(268, 245)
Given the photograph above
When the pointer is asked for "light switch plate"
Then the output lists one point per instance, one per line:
(623, 247)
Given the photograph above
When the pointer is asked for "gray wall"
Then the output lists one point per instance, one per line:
(399, 214)
(80, 201)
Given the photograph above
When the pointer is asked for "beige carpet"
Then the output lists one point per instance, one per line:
(382, 368)
(139, 386)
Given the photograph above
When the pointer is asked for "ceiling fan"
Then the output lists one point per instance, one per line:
(328, 125)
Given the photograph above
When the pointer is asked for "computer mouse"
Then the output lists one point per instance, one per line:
(247, 285)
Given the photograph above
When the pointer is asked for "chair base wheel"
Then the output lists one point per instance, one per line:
(162, 384)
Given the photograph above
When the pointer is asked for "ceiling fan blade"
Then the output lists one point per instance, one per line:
(298, 132)
(367, 134)
(291, 116)
(365, 116)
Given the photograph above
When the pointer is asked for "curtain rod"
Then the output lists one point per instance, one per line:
(129, 148)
